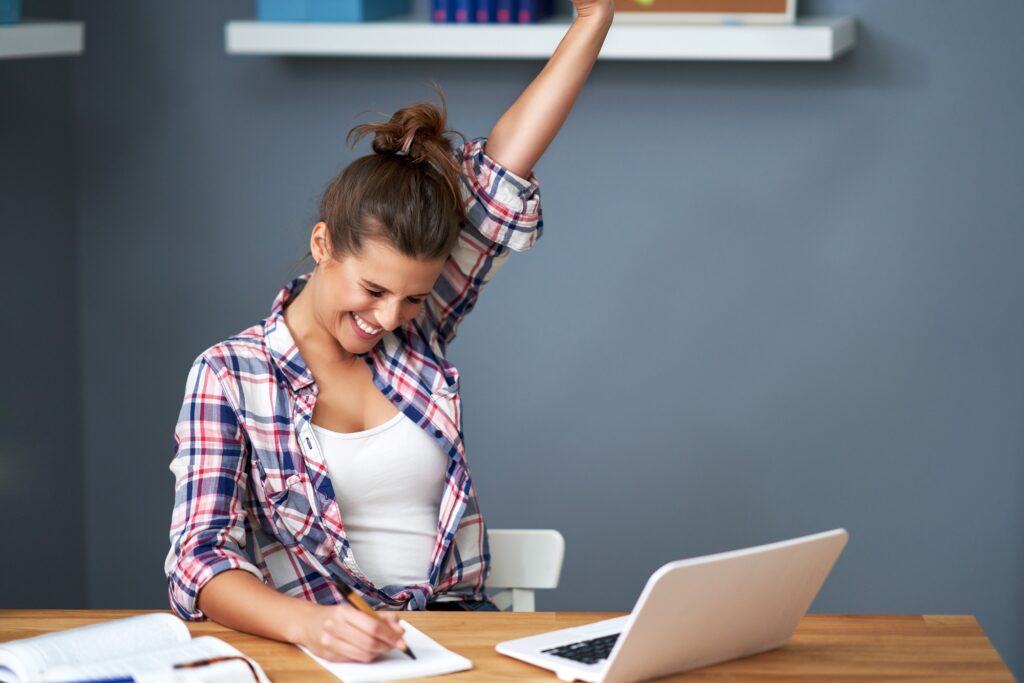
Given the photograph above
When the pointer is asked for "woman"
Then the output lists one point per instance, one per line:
(324, 444)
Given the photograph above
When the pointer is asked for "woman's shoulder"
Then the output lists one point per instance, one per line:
(243, 353)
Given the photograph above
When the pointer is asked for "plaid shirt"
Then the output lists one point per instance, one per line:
(252, 489)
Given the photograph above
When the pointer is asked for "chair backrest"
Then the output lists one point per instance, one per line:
(523, 560)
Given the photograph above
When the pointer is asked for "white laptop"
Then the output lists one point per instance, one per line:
(693, 613)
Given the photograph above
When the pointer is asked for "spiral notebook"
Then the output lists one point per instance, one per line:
(432, 659)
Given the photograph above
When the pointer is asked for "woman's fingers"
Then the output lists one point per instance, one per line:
(350, 635)
(373, 633)
(340, 651)
(393, 620)
(361, 640)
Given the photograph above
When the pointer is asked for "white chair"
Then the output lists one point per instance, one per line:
(522, 561)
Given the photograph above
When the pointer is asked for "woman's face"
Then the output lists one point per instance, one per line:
(358, 298)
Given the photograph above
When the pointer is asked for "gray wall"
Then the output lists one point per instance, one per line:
(771, 299)
(42, 524)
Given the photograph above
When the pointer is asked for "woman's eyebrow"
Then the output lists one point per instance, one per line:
(375, 286)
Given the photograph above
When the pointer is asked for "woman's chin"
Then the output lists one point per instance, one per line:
(355, 345)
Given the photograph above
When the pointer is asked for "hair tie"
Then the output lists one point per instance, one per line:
(407, 142)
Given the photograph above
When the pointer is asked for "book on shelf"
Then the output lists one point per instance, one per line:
(491, 11)
(145, 648)
(486, 11)
(10, 11)
(505, 11)
(356, 11)
(465, 11)
(532, 11)
(441, 11)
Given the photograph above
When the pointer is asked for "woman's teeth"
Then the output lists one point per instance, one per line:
(365, 326)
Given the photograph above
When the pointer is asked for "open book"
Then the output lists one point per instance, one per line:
(143, 647)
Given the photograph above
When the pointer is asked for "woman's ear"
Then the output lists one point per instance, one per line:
(320, 242)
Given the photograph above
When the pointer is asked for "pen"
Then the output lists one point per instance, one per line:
(356, 601)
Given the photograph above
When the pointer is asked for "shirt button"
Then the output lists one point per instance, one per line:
(396, 399)
(437, 433)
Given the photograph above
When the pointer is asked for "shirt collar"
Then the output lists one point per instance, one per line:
(279, 340)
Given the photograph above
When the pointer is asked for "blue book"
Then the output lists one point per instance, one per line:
(529, 11)
(10, 11)
(441, 11)
(329, 10)
(505, 11)
(282, 10)
(465, 11)
(486, 11)
(532, 11)
(356, 10)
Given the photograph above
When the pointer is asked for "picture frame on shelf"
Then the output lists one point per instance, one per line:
(706, 11)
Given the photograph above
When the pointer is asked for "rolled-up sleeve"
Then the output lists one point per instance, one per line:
(503, 214)
(502, 206)
(209, 466)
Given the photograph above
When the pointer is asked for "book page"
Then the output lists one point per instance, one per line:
(24, 659)
(432, 659)
(157, 665)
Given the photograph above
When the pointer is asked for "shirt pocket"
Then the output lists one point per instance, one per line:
(291, 515)
(447, 396)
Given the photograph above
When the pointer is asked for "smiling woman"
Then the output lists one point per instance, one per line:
(324, 444)
(343, 310)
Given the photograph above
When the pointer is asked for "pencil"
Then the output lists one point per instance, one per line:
(357, 601)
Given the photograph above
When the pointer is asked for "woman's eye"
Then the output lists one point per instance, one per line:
(375, 295)
(414, 300)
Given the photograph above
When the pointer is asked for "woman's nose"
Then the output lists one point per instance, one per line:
(391, 315)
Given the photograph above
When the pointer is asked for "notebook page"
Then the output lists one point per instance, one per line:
(431, 660)
(157, 664)
(25, 658)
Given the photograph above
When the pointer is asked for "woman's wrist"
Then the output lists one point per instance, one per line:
(597, 24)
(601, 13)
(294, 629)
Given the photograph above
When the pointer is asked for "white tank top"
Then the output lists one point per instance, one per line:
(388, 482)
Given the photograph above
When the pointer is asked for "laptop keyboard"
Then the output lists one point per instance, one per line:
(586, 651)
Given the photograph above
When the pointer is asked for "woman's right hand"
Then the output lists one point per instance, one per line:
(341, 633)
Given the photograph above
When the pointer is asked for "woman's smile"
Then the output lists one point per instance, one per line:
(364, 329)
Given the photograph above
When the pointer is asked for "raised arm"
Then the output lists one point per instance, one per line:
(521, 135)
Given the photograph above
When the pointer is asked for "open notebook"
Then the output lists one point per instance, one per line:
(431, 660)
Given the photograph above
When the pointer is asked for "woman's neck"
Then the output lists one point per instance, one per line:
(314, 342)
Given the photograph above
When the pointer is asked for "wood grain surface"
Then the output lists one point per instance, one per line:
(844, 648)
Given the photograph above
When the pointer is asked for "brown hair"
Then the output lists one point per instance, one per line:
(411, 200)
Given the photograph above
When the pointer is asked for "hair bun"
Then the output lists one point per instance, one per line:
(417, 132)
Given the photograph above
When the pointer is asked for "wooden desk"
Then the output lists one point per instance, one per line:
(841, 648)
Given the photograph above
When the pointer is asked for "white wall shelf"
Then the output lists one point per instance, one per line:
(41, 38)
(810, 39)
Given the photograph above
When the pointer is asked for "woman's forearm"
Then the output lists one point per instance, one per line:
(521, 135)
(338, 633)
(239, 600)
